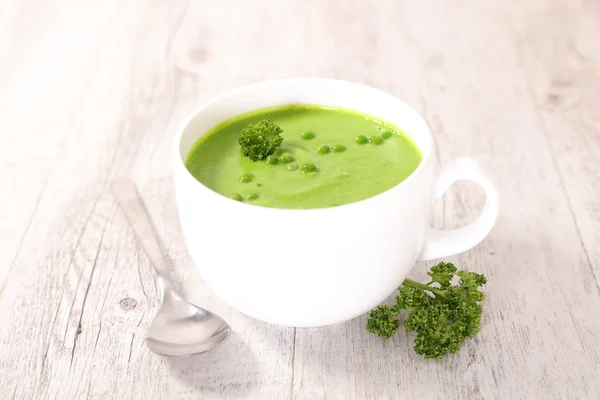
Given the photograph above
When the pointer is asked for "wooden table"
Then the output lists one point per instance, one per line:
(90, 90)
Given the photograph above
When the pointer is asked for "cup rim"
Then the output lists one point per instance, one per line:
(179, 163)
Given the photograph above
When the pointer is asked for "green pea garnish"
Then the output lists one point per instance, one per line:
(245, 178)
(361, 139)
(308, 168)
(307, 135)
(375, 139)
(236, 197)
(251, 196)
(323, 149)
(286, 158)
(338, 148)
(386, 134)
(292, 167)
(272, 160)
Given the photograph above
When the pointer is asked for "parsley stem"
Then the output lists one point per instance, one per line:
(419, 285)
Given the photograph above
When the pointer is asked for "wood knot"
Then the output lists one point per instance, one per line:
(199, 54)
(128, 304)
(435, 61)
(553, 99)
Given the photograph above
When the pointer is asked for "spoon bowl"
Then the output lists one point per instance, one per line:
(179, 328)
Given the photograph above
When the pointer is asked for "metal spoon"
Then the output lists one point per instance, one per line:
(179, 328)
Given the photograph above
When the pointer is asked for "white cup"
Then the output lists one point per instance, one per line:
(316, 267)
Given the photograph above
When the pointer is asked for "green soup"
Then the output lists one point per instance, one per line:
(329, 157)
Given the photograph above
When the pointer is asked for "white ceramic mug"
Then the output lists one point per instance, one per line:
(315, 267)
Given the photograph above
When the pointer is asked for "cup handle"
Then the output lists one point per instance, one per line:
(446, 243)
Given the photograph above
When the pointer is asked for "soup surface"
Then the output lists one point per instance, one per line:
(329, 157)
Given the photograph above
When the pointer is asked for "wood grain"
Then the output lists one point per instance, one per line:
(562, 69)
(92, 90)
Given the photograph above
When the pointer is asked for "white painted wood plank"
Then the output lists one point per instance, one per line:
(109, 81)
(33, 127)
(562, 64)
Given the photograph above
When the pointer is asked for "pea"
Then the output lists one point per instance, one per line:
(375, 139)
(236, 197)
(292, 167)
(286, 158)
(272, 160)
(307, 135)
(386, 134)
(361, 139)
(251, 196)
(323, 149)
(245, 178)
(338, 148)
(308, 168)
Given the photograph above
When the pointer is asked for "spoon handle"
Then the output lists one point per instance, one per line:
(128, 197)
